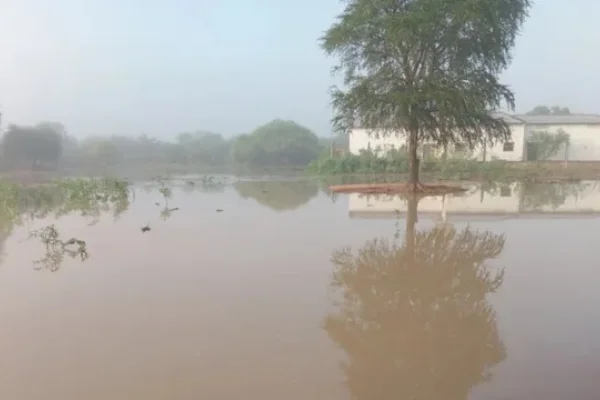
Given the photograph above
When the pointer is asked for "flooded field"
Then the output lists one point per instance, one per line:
(225, 289)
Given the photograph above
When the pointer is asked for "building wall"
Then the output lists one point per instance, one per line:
(497, 152)
(361, 139)
(584, 144)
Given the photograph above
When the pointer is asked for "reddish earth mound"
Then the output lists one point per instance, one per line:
(396, 188)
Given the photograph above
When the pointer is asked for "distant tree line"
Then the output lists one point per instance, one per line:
(545, 110)
(48, 146)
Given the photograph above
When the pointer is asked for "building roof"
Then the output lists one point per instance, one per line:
(516, 119)
(570, 119)
(509, 119)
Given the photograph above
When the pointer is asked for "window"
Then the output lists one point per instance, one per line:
(509, 146)
(505, 191)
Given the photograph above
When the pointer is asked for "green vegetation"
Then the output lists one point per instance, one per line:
(277, 143)
(545, 110)
(89, 198)
(427, 68)
(48, 146)
(547, 144)
(31, 146)
(397, 162)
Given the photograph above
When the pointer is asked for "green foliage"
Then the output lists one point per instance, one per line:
(366, 162)
(32, 145)
(340, 141)
(88, 197)
(547, 144)
(425, 67)
(206, 148)
(100, 152)
(278, 142)
(396, 162)
(545, 110)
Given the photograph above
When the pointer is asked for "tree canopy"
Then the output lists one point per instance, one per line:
(32, 145)
(207, 148)
(427, 68)
(100, 152)
(545, 110)
(278, 142)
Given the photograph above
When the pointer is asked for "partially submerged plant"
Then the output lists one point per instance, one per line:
(87, 197)
(56, 248)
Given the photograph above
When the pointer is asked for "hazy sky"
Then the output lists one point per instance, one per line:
(163, 67)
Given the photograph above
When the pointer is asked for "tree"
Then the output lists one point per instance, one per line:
(278, 142)
(545, 110)
(425, 68)
(410, 312)
(101, 152)
(32, 145)
(207, 148)
(547, 144)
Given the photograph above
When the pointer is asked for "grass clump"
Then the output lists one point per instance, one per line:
(396, 162)
(452, 167)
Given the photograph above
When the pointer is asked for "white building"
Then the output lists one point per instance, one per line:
(583, 131)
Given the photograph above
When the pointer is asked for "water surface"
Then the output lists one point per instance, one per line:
(291, 293)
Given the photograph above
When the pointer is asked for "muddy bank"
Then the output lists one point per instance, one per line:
(397, 188)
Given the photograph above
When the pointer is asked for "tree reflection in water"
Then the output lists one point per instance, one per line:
(279, 195)
(414, 320)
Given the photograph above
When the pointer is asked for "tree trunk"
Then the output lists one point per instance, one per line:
(413, 177)
(484, 149)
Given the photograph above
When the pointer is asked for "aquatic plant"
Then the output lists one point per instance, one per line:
(87, 197)
(56, 248)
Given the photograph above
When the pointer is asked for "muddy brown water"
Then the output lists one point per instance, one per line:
(493, 295)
